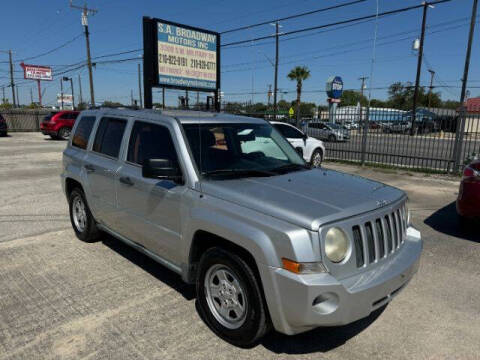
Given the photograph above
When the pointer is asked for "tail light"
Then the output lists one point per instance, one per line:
(472, 171)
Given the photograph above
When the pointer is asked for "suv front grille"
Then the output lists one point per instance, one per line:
(380, 237)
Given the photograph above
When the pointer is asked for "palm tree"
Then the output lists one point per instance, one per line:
(299, 74)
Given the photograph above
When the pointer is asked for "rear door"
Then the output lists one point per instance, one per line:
(101, 165)
(149, 209)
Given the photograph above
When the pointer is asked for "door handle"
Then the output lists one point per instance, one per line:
(126, 180)
(89, 168)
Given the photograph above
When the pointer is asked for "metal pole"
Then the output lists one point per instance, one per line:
(18, 99)
(163, 98)
(80, 89)
(461, 123)
(12, 82)
(275, 83)
(3, 94)
(419, 69)
(140, 85)
(39, 93)
(61, 92)
(31, 96)
(73, 95)
(432, 74)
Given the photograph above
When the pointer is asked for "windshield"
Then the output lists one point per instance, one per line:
(241, 150)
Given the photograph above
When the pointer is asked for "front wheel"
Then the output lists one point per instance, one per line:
(230, 299)
(317, 158)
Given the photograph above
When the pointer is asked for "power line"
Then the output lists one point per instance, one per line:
(372, 16)
(293, 16)
(53, 50)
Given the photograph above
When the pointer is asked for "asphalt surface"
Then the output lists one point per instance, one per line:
(61, 298)
(421, 151)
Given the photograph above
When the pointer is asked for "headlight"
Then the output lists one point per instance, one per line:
(337, 244)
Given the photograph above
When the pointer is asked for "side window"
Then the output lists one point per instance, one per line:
(109, 136)
(289, 132)
(83, 131)
(150, 141)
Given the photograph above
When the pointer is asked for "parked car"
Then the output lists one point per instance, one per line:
(268, 241)
(328, 131)
(468, 201)
(3, 126)
(351, 125)
(312, 150)
(59, 124)
(397, 127)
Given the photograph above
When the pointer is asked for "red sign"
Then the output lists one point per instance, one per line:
(36, 72)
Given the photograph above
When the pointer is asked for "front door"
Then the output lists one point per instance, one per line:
(150, 209)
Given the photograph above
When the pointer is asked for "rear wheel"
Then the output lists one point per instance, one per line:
(229, 298)
(64, 133)
(317, 158)
(82, 220)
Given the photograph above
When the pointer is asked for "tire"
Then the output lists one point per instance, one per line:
(317, 158)
(54, 137)
(243, 327)
(332, 138)
(64, 133)
(81, 218)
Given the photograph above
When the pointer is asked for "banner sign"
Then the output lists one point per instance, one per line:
(67, 99)
(186, 58)
(36, 72)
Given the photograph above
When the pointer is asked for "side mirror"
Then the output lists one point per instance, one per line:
(162, 169)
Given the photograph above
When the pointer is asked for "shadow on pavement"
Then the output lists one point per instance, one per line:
(448, 222)
(320, 339)
(163, 274)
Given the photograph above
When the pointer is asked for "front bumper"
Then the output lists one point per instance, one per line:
(299, 303)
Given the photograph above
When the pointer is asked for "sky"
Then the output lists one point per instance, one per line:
(39, 26)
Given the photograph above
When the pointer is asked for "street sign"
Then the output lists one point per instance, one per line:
(334, 87)
(291, 112)
(36, 72)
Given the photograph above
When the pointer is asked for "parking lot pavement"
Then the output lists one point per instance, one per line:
(64, 299)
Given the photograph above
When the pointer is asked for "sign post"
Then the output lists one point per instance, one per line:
(334, 88)
(180, 57)
(36, 72)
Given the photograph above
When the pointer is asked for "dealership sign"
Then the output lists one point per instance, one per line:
(67, 99)
(334, 87)
(36, 72)
(180, 57)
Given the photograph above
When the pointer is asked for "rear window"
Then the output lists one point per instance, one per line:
(83, 131)
(109, 136)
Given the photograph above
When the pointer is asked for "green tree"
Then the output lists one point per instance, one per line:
(299, 74)
(112, 104)
(351, 98)
(378, 103)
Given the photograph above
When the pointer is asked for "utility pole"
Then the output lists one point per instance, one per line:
(80, 88)
(3, 94)
(31, 96)
(419, 67)
(85, 12)
(66, 78)
(61, 91)
(140, 85)
(275, 83)
(131, 97)
(269, 94)
(432, 74)
(362, 87)
(12, 82)
(18, 99)
(461, 123)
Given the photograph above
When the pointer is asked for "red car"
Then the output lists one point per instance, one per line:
(468, 202)
(59, 124)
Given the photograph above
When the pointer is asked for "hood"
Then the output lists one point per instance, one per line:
(309, 198)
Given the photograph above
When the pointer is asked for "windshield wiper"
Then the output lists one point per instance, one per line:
(239, 172)
(290, 167)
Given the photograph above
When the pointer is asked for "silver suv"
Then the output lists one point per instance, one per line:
(228, 204)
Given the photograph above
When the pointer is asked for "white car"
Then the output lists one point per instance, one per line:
(312, 150)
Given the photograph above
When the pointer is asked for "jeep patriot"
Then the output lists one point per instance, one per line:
(226, 202)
